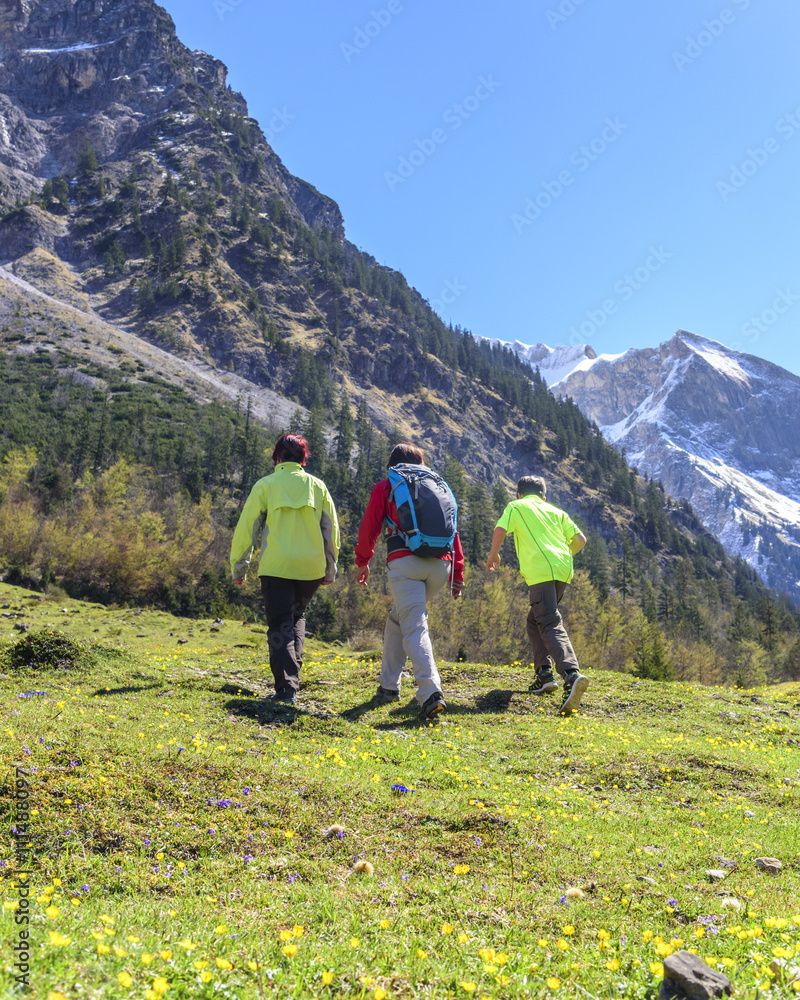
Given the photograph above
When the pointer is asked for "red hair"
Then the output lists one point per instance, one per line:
(291, 448)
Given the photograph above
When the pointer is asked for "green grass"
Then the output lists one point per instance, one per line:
(180, 825)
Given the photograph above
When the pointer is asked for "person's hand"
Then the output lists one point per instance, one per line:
(492, 563)
(456, 589)
(326, 583)
(238, 580)
(362, 575)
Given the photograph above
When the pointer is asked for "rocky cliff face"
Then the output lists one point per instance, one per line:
(718, 428)
(104, 73)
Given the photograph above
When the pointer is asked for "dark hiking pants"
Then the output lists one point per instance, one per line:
(285, 603)
(546, 632)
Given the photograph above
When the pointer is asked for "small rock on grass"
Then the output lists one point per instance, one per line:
(771, 866)
(716, 874)
(687, 977)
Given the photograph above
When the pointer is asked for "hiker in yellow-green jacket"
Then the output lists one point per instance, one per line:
(290, 519)
(546, 539)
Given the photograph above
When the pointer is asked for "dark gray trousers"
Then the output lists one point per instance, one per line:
(546, 632)
(285, 603)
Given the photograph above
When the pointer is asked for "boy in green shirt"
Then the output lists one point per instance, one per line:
(545, 539)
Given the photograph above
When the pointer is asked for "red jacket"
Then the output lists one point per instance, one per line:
(381, 506)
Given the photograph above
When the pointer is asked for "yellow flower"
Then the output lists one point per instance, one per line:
(297, 931)
(125, 979)
(199, 963)
(501, 958)
(460, 869)
(52, 911)
(728, 962)
(657, 968)
(568, 929)
(612, 965)
(384, 925)
(187, 944)
(146, 958)
(421, 953)
(286, 935)
(220, 928)
(103, 949)
(463, 938)
(206, 976)
(562, 945)
(542, 942)
(553, 983)
(647, 936)
(166, 954)
(59, 940)
(380, 994)
(53, 995)
(446, 929)
(160, 986)
(119, 952)
(289, 950)
(468, 987)
(354, 942)
(13, 904)
(288, 834)
(160, 856)
(699, 932)
(223, 963)
(603, 935)
(327, 978)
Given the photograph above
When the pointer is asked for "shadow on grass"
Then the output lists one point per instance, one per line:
(100, 692)
(261, 710)
(237, 690)
(495, 701)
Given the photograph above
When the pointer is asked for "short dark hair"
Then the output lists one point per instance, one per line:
(406, 453)
(529, 485)
(291, 448)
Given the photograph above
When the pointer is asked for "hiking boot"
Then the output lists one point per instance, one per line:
(384, 695)
(433, 706)
(574, 688)
(286, 696)
(544, 684)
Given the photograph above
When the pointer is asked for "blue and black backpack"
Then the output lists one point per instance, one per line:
(426, 509)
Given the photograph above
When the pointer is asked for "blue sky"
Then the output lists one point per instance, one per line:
(546, 170)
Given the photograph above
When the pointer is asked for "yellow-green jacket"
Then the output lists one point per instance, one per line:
(290, 518)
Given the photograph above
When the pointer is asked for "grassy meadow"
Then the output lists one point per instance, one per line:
(190, 841)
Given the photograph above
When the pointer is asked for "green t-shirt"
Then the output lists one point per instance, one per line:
(542, 534)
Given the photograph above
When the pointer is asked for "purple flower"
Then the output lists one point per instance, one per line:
(400, 789)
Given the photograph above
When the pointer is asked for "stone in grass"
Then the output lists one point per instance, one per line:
(716, 874)
(687, 977)
(769, 865)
